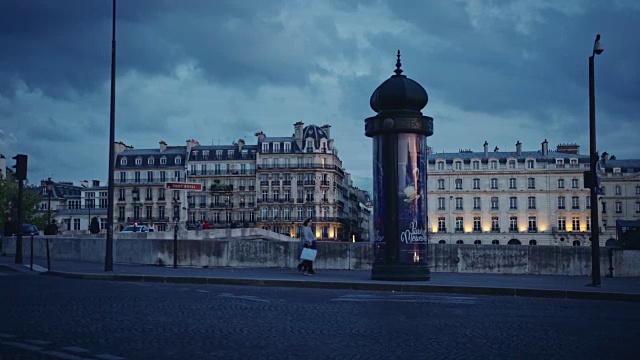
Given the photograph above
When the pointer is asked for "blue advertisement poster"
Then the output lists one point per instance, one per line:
(412, 199)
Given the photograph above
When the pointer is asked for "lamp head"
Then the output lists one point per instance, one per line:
(597, 47)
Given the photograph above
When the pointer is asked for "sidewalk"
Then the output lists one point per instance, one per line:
(548, 286)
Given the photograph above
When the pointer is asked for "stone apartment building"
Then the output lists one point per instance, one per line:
(274, 184)
(525, 197)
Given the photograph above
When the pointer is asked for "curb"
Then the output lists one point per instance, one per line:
(441, 289)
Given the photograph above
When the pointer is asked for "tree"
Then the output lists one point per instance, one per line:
(9, 202)
(95, 226)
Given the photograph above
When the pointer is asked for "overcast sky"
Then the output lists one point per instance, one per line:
(216, 71)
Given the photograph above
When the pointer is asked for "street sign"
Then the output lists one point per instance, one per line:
(184, 186)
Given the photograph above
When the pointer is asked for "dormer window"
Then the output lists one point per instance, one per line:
(265, 148)
(458, 165)
(276, 147)
(287, 147)
(531, 164)
(512, 164)
(123, 161)
(163, 160)
(138, 161)
(476, 165)
(440, 165)
(218, 154)
(150, 160)
(178, 160)
(205, 154)
(309, 145)
(230, 154)
(493, 164)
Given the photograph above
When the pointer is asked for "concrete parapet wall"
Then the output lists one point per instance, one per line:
(234, 252)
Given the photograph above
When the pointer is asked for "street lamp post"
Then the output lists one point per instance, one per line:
(49, 190)
(176, 220)
(108, 254)
(595, 227)
(135, 194)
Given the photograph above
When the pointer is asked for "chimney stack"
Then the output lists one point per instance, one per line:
(163, 145)
(545, 148)
(518, 148)
(603, 158)
(486, 148)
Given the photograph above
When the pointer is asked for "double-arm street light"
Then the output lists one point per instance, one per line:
(595, 228)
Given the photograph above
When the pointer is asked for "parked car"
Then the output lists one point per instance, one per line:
(135, 228)
(30, 229)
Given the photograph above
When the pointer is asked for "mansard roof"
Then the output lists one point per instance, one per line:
(504, 155)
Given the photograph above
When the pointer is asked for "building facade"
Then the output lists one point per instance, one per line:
(511, 197)
(620, 191)
(274, 184)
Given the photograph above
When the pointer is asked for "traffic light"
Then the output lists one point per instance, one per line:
(21, 166)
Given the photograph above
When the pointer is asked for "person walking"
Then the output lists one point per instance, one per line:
(307, 240)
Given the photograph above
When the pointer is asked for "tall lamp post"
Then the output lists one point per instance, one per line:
(595, 227)
(49, 191)
(108, 254)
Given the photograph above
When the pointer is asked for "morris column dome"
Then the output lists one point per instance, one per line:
(399, 93)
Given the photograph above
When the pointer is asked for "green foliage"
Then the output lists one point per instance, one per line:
(9, 203)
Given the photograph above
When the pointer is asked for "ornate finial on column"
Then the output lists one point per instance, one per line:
(398, 69)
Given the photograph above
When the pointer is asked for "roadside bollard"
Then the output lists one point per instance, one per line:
(31, 266)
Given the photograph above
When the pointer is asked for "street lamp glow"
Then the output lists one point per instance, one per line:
(597, 47)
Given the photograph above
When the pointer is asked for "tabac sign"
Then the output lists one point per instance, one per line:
(184, 186)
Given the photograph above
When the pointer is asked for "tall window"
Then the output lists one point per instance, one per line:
(476, 203)
(533, 225)
(561, 202)
(575, 223)
(512, 164)
(459, 224)
(495, 224)
(513, 223)
(618, 190)
(531, 183)
(265, 147)
(458, 165)
(618, 207)
(574, 183)
(458, 184)
(287, 147)
(440, 184)
(562, 223)
(560, 183)
(494, 183)
(476, 183)
(531, 202)
(476, 223)
(441, 203)
(440, 165)
(513, 203)
(531, 164)
(512, 183)
(588, 202)
(575, 202)
(441, 225)
(493, 164)
(458, 203)
(476, 165)
(276, 147)
(494, 203)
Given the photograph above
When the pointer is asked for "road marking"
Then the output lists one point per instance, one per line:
(409, 299)
(244, 297)
(203, 291)
(21, 345)
(109, 357)
(6, 335)
(62, 355)
(39, 342)
(75, 349)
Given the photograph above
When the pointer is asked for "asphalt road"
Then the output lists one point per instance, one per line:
(44, 317)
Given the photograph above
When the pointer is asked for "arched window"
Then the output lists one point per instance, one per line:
(533, 242)
(495, 242)
(459, 242)
(514, 242)
(576, 242)
(123, 161)
(477, 242)
(150, 160)
(138, 161)
(442, 242)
